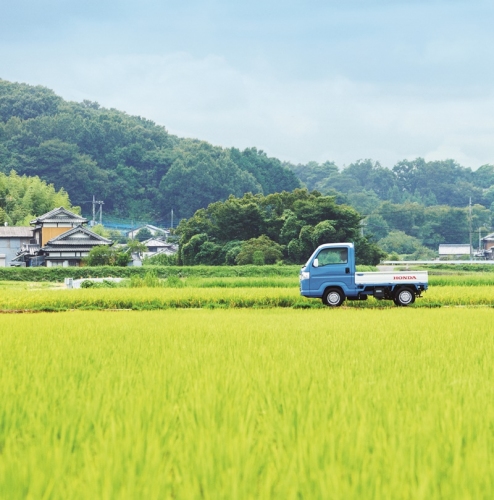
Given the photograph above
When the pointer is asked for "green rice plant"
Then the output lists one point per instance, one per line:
(174, 282)
(242, 282)
(470, 279)
(99, 284)
(168, 297)
(266, 404)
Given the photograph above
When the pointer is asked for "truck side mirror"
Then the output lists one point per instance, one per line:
(316, 263)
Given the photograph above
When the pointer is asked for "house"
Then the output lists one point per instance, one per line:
(488, 241)
(11, 240)
(488, 246)
(155, 246)
(69, 248)
(58, 239)
(54, 223)
(155, 231)
(455, 250)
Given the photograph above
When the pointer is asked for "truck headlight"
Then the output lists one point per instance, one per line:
(304, 275)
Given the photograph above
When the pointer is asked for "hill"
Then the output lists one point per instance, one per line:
(134, 165)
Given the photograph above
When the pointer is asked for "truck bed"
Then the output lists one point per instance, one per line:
(390, 278)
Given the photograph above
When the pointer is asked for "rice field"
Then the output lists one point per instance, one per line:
(236, 388)
(219, 297)
(240, 404)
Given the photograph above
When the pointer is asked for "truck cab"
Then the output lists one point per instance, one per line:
(330, 274)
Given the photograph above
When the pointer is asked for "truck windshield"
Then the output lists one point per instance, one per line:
(328, 256)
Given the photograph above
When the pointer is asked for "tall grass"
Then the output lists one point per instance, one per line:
(343, 404)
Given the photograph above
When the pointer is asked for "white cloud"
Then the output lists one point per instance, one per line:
(298, 120)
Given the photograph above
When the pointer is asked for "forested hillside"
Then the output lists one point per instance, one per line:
(135, 166)
(414, 204)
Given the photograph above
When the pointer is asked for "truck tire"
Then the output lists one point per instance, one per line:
(333, 297)
(404, 297)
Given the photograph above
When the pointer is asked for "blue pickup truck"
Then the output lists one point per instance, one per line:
(330, 275)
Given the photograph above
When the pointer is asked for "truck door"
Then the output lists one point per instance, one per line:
(333, 267)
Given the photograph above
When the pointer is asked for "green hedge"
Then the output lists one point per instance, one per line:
(58, 274)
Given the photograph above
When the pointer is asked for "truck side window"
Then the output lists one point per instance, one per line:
(328, 256)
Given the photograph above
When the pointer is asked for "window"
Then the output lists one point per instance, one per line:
(328, 256)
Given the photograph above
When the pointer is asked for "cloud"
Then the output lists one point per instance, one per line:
(327, 81)
(329, 119)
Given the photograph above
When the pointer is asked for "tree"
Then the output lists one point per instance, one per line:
(400, 242)
(202, 176)
(484, 176)
(104, 255)
(22, 198)
(375, 225)
(135, 246)
(259, 251)
(296, 221)
(144, 234)
(134, 165)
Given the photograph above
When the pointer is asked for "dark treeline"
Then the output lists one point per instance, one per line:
(414, 206)
(257, 229)
(135, 166)
(366, 183)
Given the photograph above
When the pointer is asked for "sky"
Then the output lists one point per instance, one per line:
(301, 80)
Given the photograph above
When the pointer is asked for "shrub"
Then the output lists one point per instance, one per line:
(269, 249)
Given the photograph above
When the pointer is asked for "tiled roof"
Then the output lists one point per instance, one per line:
(75, 243)
(49, 249)
(58, 215)
(16, 232)
(66, 238)
(153, 242)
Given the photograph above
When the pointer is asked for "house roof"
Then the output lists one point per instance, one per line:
(489, 237)
(454, 249)
(153, 242)
(152, 228)
(77, 237)
(16, 232)
(59, 214)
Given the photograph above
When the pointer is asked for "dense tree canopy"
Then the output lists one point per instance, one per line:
(427, 201)
(287, 225)
(428, 183)
(135, 166)
(22, 198)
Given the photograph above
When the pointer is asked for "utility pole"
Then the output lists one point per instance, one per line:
(172, 218)
(470, 224)
(94, 204)
(100, 203)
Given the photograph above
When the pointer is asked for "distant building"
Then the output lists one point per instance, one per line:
(11, 240)
(58, 239)
(69, 248)
(156, 246)
(488, 246)
(454, 250)
(155, 231)
(54, 223)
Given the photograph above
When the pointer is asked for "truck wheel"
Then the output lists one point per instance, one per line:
(333, 297)
(404, 297)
